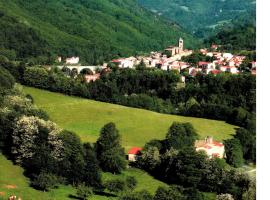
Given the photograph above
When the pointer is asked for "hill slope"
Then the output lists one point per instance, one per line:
(94, 30)
(137, 126)
(12, 175)
(200, 16)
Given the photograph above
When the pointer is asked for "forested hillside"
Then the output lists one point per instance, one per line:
(201, 16)
(235, 37)
(94, 30)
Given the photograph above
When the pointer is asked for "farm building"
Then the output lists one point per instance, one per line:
(133, 153)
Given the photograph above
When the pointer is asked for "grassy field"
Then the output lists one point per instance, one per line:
(13, 182)
(137, 126)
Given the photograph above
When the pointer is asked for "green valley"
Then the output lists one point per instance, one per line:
(137, 126)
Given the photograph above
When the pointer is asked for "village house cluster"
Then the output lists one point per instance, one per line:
(170, 59)
(166, 61)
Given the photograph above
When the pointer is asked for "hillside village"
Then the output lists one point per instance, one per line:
(170, 59)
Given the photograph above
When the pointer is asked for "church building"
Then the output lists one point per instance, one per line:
(175, 50)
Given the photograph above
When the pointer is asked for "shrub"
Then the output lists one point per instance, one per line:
(84, 192)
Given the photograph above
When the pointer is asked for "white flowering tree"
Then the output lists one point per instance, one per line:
(29, 131)
(224, 197)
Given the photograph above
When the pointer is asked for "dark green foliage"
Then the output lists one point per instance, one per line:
(234, 152)
(115, 185)
(92, 172)
(18, 40)
(35, 76)
(45, 181)
(72, 165)
(237, 36)
(171, 193)
(111, 155)
(84, 192)
(141, 195)
(192, 194)
(131, 182)
(196, 57)
(180, 135)
(6, 79)
(202, 16)
(96, 31)
(184, 169)
(247, 139)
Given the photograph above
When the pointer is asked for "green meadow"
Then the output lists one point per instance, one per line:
(13, 182)
(136, 126)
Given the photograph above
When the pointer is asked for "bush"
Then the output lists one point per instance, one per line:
(131, 182)
(7, 81)
(84, 192)
(116, 185)
(45, 181)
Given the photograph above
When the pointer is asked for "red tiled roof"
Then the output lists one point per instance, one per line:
(135, 150)
(203, 63)
(215, 71)
(218, 144)
(116, 61)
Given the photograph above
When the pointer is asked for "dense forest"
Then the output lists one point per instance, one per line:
(96, 31)
(238, 35)
(201, 16)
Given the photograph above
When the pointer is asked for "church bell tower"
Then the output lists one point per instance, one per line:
(181, 44)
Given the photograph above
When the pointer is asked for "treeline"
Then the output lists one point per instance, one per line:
(227, 97)
(175, 161)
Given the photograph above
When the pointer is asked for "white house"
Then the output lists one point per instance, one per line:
(124, 63)
(72, 60)
(210, 147)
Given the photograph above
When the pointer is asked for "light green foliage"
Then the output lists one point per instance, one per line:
(137, 126)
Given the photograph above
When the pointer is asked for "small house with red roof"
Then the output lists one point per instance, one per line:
(212, 148)
(134, 153)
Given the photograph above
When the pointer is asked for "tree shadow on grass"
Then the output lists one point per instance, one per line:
(73, 196)
(100, 193)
